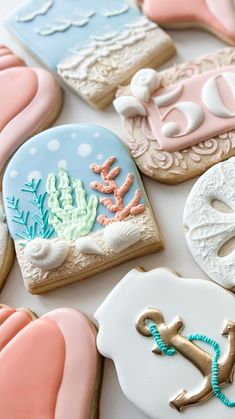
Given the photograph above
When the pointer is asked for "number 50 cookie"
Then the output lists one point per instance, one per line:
(75, 206)
(181, 121)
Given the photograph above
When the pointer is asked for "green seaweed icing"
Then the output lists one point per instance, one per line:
(39, 226)
(70, 215)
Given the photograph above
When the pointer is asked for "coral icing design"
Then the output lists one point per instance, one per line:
(79, 210)
(70, 369)
(85, 42)
(38, 97)
(110, 186)
(217, 16)
(197, 103)
(160, 315)
(209, 218)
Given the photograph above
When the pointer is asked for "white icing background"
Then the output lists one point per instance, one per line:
(167, 202)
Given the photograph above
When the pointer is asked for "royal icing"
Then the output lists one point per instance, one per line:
(85, 43)
(209, 227)
(8, 59)
(59, 212)
(218, 15)
(169, 305)
(58, 349)
(181, 116)
(3, 235)
(37, 95)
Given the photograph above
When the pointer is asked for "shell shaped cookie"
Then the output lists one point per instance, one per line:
(30, 101)
(177, 311)
(75, 206)
(91, 45)
(58, 349)
(181, 121)
(209, 220)
(217, 17)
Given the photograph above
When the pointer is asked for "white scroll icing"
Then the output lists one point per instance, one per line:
(109, 12)
(193, 114)
(168, 98)
(149, 380)
(129, 106)
(211, 97)
(37, 12)
(210, 228)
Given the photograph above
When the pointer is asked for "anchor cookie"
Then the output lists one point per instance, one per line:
(171, 353)
(209, 223)
(181, 121)
(58, 349)
(217, 17)
(91, 44)
(75, 206)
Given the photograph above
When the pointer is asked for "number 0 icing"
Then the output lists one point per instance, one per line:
(193, 110)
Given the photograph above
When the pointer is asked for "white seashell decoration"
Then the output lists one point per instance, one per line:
(46, 254)
(121, 235)
(129, 106)
(144, 83)
(89, 246)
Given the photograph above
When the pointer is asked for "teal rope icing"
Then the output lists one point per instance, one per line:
(215, 363)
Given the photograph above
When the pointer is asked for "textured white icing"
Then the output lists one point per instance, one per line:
(45, 254)
(211, 97)
(115, 12)
(148, 380)
(37, 12)
(129, 106)
(121, 235)
(210, 228)
(193, 114)
(83, 58)
(144, 83)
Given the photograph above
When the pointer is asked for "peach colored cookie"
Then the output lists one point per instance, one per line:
(59, 350)
(94, 46)
(76, 207)
(181, 121)
(215, 16)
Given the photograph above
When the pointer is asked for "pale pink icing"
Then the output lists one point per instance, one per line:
(31, 369)
(8, 59)
(30, 119)
(11, 326)
(77, 387)
(192, 91)
(18, 87)
(5, 312)
(198, 11)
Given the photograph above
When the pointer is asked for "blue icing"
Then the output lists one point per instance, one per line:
(95, 145)
(52, 49)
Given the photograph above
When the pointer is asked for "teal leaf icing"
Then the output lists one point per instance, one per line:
(70, 214)
(39, 226)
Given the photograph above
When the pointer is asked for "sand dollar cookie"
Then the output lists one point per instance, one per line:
(173, 345)
(94, 46)
(216, 16)
(209, 220)
(75, 206)
(181, 121)
(30, 101)
(58, 349)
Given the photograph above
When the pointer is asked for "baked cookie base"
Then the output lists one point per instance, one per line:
(79, 266)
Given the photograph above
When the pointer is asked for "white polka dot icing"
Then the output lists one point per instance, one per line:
(84, 150)
(13, 174)
(35, 174)
(53, 145)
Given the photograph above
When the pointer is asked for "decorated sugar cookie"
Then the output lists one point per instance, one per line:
(209, 220)
(7, 253)
(216, 16)
(90, 43)
(75, 206)
(181, 121)
(173, 344)
(50, 364)
(30, 101)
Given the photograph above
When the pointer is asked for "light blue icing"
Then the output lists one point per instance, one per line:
(95, 145)
(54, 48)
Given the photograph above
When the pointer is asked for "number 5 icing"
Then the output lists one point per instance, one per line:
(184, 113)
(172, 354)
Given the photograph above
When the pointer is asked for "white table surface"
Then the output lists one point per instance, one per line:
(167, 202)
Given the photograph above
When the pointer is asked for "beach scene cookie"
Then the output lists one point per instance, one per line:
(173, 346)
(75, 206)
(94, 46)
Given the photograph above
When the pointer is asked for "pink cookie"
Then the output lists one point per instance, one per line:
(216, 16)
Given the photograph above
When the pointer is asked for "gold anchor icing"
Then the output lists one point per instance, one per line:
(201, 359)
